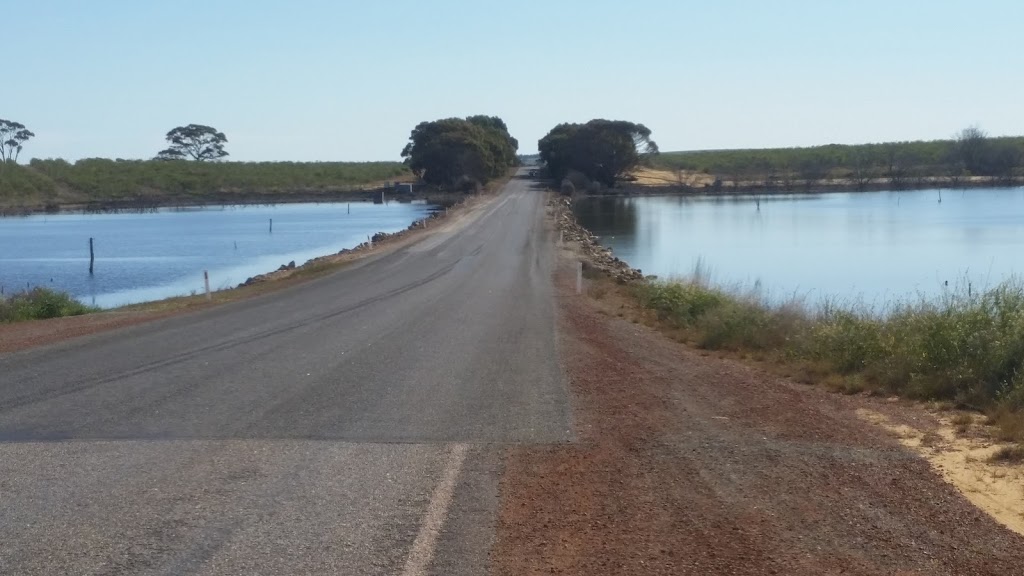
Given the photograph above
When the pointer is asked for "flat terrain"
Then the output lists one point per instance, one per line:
(452, 407)
(687, 463)
(351, 425)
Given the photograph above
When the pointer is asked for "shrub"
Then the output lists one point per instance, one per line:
(968, 349)
(40, 304)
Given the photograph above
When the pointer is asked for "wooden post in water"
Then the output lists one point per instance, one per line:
(92, 256)
(206, 282)
(271, 225)
(349, 210)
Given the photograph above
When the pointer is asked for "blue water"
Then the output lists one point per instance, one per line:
(142, 257)
(870, 248)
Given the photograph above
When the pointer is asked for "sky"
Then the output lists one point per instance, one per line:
(326, 80)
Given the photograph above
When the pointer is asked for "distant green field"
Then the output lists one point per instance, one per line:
(895, 159)
(57, 182)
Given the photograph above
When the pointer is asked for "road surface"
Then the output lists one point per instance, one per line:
(351, 425)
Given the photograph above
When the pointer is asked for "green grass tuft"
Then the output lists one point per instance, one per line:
(965, 349)
(40, 304)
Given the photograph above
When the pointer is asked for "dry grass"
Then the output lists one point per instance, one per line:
(1008, 455)
(656, 177)
(1007, 423)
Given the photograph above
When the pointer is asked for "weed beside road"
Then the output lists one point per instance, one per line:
(40, 304)
(966, 349)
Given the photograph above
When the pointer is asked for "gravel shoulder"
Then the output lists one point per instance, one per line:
(690, 463)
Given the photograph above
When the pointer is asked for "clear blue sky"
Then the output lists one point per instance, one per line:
(347, 80)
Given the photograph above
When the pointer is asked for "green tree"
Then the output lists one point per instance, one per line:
(195, 141)
(602, 150)
(456, 151)
(503, 145)
(13, 136)
(556, 149)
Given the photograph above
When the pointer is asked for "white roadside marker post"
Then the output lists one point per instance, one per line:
(579, 277)
(206, 282)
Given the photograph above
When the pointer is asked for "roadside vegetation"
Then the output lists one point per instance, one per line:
(40, 304)
(967, 349)
(461, 154)
(971, 158)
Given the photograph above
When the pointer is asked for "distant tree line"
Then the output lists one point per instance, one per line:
(970, 156)
(601, 151)
(461, 153)
(44, 183)
(169, 177)
(96, 176)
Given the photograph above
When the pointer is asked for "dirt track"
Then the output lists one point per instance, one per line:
(690, 464)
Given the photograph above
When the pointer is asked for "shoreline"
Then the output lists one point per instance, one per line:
(24, 335)
(442, 199)
(973, 448)
(747, 188)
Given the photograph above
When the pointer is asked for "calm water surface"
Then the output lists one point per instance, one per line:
(868, 247)
(141, 257)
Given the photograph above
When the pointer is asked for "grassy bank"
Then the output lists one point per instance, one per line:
(52, 183)
(40, 304)
(964, 350)
(863, 166)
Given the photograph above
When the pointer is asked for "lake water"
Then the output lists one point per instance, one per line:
(866, 247)
(154, 255)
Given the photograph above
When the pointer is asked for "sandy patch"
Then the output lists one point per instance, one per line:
(655, 177)
(963, 461)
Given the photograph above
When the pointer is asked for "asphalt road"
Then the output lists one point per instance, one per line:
(351, 425)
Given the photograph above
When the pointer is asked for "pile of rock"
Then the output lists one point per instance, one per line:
(595, 255)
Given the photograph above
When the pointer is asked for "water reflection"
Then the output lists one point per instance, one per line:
(150, 254)
(871, 247)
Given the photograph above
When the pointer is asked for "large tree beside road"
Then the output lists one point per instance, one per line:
(457, 152)
(602, 150)
(196, 142)
(13, 136)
